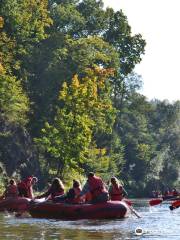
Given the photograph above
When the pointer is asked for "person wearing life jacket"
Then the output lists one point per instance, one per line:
(116, 190)
(96, 187)
(56, 189)
(11, 190)
(167, 193)
(175, 192)
(25, 187)
(73, 194)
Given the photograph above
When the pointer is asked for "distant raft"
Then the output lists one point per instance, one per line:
(14, 204)
(65, 211)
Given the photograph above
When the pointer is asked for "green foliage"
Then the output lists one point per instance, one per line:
(25, 20)
(25, 24)
(3, 178)
(14, 104)
(7, 53)
(67, 19)
(94, 15)
(86, 109)
(57, 60)
(119, 35)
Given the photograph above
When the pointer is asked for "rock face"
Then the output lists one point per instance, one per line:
(17, 153)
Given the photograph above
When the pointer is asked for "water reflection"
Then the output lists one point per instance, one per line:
(157, 223)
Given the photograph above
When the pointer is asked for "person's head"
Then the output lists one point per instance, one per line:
(114, 180)
(91, 174)
(34, 180)
(76, 183)
(57, 183)
(12, 182)
(31, 181)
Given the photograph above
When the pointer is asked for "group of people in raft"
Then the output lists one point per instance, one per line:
(94, 190)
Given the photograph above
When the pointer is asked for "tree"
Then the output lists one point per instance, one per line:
(164, 122)
(14, 103)
(58, 59)
(25, 20)
(15, 144)
(85, 108)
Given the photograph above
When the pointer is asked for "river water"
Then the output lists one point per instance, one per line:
(157, 222)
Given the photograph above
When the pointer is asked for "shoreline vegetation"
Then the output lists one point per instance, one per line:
(69, 100)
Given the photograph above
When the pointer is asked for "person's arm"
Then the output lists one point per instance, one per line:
(124, 192)
(44, 195)
(110, 189)
(30, 192)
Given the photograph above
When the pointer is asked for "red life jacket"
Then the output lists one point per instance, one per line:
(116, 192)
(22, 185)
(26, 183)
(27, 186)
(96, 186)
(175, 193)
(12, 191)
(77, 198)
(88, 197)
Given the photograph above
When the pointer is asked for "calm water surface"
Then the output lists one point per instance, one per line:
(157, 222)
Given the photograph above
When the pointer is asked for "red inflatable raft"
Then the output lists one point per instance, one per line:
(108, 210)
(14, 204)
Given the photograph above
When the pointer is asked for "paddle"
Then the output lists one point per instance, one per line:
(157, 201)
(129, 203)
(175, 204)
(134, 212)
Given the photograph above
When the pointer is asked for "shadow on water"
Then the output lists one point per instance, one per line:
(156, 223)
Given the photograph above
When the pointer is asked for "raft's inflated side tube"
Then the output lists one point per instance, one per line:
(107, 210)
(14, 204)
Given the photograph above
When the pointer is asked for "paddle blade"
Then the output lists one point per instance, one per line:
(176, 204)
(156, 201)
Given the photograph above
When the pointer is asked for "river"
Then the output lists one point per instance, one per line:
(157, 222)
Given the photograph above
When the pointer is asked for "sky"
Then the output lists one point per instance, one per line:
(158, 21)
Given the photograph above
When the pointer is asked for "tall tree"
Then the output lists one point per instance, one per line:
(85, 108)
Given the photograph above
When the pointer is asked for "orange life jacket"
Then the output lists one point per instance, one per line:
(22, 185)
(12, 191)
(88, 197)
(27, 186)
(77, 198)
(175, 193)
(116, 193)
(96, 186)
